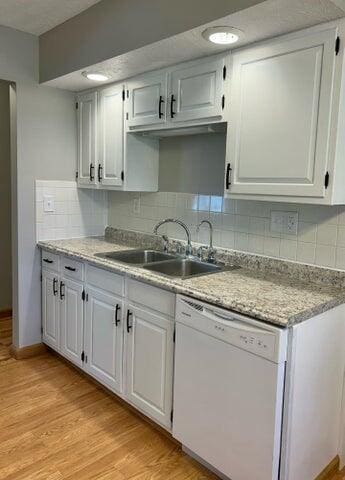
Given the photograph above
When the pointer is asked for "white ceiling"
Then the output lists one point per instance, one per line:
(39, 16)
(268, 19)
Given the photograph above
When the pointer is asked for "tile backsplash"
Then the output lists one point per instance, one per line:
(238, 224)
(77, 212)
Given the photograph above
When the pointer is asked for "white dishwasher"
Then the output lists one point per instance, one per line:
(229, 385)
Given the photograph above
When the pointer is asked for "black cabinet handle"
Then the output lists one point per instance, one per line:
(117, 309)
(228, 176)
(129, 324)
(62, 290)
(55, 290)
(161, 101)
(71, 269)
(100, 170)
(92, 170)
(47, 260)
(172, 113)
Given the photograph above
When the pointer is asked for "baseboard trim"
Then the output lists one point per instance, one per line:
(331, 470)
(6, 313)
(27, 352)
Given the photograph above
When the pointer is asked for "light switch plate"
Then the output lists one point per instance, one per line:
(284, 222)
(48, 203)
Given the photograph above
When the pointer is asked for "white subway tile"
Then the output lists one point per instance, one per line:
(326, 234)
(256, 243)
(288, 249)
(241, 241)
(271, 246)
(325, 255)
(306, 252)
(340, 258)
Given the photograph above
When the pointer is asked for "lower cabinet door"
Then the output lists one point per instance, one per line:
(71, 320)
(149, 363)
(104, 338)
(50, 309)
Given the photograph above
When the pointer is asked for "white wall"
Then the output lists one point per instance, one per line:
(46, 149)
(5, 199)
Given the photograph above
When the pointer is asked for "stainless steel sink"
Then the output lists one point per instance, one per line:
(137, 257)
(183, 268)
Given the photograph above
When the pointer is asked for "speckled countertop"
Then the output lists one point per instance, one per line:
(275, 298)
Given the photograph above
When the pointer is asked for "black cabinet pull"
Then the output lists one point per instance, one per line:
(71, 269)
(100, 170)
(161, 101)
(92, 170)
(55, 290)
(172, 113)
(129, 324)
(117, 309)
(47, 260)
(62, 290)
(228, 176)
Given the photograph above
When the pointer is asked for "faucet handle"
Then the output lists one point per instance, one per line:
(165, 243)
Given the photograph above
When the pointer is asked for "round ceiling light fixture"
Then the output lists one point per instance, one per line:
(96, 76)
(222, 35)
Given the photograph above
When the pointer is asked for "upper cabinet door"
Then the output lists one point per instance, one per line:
(197, 91)
(147, 100)
(87, 138)
(111, 136)
(280, 109)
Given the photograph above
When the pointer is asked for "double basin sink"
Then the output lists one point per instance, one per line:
(163, 263)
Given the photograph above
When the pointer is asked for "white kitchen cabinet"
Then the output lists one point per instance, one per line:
(50, 309)
(87, 138)
(284, 113)
(104, 337)
(111, 136)
(197, 90)
(71, 317)
(149, 363)
(148, 99)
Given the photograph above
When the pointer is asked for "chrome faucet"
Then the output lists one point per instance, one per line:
(210, 249)
(183, 225)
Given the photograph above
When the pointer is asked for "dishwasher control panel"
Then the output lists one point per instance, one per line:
(243, 332)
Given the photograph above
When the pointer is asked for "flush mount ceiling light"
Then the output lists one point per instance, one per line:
(222, 35)
(96, 76)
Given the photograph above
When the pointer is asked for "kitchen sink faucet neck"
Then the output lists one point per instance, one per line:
(211, 252)
(183, 225)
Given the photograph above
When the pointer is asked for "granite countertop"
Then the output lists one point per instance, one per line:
(275, 298)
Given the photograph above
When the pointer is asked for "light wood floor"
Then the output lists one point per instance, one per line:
(55, 424)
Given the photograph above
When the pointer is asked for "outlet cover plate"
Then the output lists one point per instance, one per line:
(284, 222)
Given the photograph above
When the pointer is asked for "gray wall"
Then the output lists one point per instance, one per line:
(5, 199)
(192, 164)
(114, 27)
(46, 149)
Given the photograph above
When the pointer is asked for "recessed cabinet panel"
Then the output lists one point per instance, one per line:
(104, 338)
(149, 348)
(71, 320)
(280, 116)
(147, 100)
(87, 138)
(197, 91)
(50, 309)
(111, 136)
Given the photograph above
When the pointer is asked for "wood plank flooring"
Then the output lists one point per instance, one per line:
(55, 424)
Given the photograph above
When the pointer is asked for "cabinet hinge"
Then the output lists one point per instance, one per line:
(224, 72)
(83, 296)
(122, 175)
(41, 277)
(76, 105)
(82, 356)
(123, 95)
(172, 416)
(126, 115)
(76, 175)
(127, 93)
(337, 45)
(42, 330)
(223, 102)
(174, 335)
(326, 179)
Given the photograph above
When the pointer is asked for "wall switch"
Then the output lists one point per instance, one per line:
(48, 203)
(136, 206)
(284, 222)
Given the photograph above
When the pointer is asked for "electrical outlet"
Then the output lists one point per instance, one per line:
(136, 206)
(284, 222)
(48, 203)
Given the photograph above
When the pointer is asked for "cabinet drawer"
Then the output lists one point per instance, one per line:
(50, 261)
(151, 297)
(72, 268)
(104, 280)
